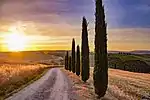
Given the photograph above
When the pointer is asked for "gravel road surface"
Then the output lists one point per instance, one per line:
(54, 85)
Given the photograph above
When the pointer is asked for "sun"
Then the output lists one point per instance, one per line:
(15, 41)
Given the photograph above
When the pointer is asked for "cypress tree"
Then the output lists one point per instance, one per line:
(124, 67)
(78, 61)
(70, 63)
(85, 52)
(73, 56)
(115, 66)
(65, 63)
(100, 74)
(67, 67)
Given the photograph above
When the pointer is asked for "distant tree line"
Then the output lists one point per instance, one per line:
(129, 65)
(124, 53)
(72, 63)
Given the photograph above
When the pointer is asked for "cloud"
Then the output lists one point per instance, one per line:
(50, 22)
(46, 17)
(129, 35)
(119, 13)
(39, 9)
(127, 13)
(129, 39)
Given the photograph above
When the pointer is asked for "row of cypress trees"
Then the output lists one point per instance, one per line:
(71, 63)
(100, 74)
(75, 61)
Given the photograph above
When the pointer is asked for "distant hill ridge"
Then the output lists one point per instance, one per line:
(132, 52)
(110, 51)
(141, 51)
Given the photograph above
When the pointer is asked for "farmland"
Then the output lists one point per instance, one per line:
(123, 85)
(13, 77)
(18, 69)
(130, 62)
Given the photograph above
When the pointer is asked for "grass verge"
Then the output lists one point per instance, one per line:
(85, 91)
(123, 85)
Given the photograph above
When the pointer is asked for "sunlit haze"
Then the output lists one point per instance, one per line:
(51, 24)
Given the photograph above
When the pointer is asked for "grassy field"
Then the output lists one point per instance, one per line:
(18, 69)
(123, 85)
(129, 85)
(12, 77)
(125, 57)
(130, 62)
(144, 57)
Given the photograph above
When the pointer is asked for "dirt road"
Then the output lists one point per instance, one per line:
(54, 85)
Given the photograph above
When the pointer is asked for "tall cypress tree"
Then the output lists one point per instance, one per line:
(65, 63)
(69, 63)
(100, 74)
(73, 56)
(67, 67)
(85, 52)
(78, 61)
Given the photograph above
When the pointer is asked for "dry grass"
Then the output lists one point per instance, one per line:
(85, 91)
(129, 85)
(123, 85)
(14, 76)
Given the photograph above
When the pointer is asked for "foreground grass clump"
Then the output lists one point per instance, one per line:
(13, 77)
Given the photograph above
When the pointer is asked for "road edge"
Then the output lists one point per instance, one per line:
(28, 83)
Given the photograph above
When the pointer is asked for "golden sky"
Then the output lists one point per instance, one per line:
(51, 24)
(42, 37)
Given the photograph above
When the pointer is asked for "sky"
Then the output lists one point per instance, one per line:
(51, 24)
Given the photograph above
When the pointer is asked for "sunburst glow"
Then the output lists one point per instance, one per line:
(15, 40)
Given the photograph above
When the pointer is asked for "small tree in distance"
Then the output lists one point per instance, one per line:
(73, 56)
(70, 63)
(78, 61)
(67, 67)
(65, 63)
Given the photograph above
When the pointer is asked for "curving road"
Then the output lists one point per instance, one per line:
(54, 85)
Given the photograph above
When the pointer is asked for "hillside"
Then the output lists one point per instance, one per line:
(130, 62)
(123, 85)
(32, 57)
